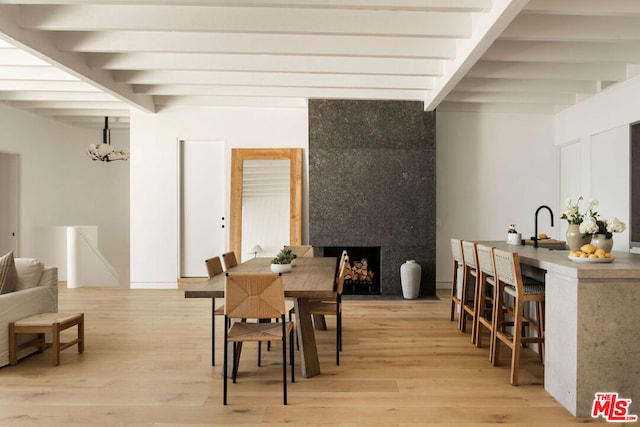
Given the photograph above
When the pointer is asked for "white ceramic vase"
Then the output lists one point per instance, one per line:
(601, 241)
(575, 239)
(514, 238)
(410, 273)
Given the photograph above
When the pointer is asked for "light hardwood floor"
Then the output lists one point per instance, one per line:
(147, 362)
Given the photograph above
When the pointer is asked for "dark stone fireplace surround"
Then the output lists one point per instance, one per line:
(372, 183)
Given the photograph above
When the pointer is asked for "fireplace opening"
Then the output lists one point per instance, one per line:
(363, 274)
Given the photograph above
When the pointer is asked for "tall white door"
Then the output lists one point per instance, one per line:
(9, 205)
(203, 206)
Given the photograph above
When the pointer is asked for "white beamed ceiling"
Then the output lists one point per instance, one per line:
(78, 62)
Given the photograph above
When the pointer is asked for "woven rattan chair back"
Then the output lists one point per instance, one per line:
(342, 272)
(507, 265)
(230, 260)
(214, 266)
(302, 251)
(254, 295)
(485, 260)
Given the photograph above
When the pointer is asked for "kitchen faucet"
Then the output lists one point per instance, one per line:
(535, 237)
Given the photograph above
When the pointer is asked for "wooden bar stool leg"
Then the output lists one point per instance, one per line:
(540, 328)
(518, 314)
(498, 319)
(454, 292)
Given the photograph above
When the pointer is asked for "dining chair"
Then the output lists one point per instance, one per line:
(509, 330)
(469, 287)
(230, 260)
(302, 251)
(250, 298)
(344, 256)
(333, 307)
(214, 267)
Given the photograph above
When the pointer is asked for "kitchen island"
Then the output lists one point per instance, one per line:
(592, 325)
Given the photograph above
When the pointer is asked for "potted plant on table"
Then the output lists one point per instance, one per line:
(282, 262)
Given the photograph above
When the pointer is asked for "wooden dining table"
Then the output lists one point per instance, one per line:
(311, 278)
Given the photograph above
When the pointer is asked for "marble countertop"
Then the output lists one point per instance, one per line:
(624, 266)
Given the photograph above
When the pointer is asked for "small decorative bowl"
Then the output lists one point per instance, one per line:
(281, 268)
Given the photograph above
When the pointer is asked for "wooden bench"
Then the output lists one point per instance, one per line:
(46, 323)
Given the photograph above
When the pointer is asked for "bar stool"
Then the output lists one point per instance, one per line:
(458, 264)
(469, 287)
(507, 270)
(486, 287)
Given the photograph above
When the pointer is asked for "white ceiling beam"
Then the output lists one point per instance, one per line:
(486, 29)
(584, 7)
(14, 56)
(267, 44)
(229, 101)
(543, 71)
(239, 78)
(42, 46)
(280, 63)
(60, 104)
(291, 92)
(417, 5)
(244, 19)
(573, 28)
(54, 96)
(478, 107)
(512, 97)
(10, 72)
(48, 85)
(470, 84)
(573, 52)
(90, 112)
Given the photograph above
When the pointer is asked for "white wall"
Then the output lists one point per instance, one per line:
(598, 129)
(503, 165)
(154, 173)
(492, 170)
(617, 106)
(60, 186)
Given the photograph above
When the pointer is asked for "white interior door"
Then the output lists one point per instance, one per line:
(203, 207)
(9, 205)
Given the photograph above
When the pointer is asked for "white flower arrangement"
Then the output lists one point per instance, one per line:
(572, 213)
(589, 226)
(589, 222)
(614, 225)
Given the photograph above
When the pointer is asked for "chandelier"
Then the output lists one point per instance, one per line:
(105, 151)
